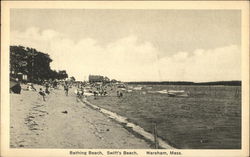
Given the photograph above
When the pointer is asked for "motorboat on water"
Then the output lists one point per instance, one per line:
(173, 93)
(179, 93)
(138, 88)
(163, 91)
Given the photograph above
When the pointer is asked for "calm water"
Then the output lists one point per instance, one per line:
(210, 118)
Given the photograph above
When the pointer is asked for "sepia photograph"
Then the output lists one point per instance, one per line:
(125, 79)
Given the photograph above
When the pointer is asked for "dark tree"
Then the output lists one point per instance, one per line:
(62, 74)
(72, 78)
(34, 64)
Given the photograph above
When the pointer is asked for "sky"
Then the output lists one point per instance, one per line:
(135, 45)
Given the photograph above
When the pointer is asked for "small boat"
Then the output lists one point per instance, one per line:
(88, 94)
(130, 87)
(163, 91)
(138, 88)
(123, 89)
(179, 93)
(121, 85)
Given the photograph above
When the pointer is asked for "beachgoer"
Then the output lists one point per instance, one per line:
(82, 91)
(55, 84)
(16, 89)
(95, 94)
(41, 92)
(47, 90)
(78, 94)
(66, 89)
(105, 93)
(101, 92)
(118, 93)
(121, 94)
(31, 87)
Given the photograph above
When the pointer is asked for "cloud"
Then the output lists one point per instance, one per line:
(222, 63)
(128, 59)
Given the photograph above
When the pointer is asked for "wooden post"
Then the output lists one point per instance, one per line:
(155, 136)
(236, 93)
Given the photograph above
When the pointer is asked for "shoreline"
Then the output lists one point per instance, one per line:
(133, 128)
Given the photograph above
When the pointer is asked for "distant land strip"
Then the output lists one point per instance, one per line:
(224, 83)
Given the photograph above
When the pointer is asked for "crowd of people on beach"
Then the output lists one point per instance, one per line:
(82, 89)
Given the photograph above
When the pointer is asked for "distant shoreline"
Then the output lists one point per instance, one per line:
(224, 83)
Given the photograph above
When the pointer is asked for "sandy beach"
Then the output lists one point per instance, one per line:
(63, 122)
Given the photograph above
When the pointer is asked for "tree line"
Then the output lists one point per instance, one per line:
(34, 64)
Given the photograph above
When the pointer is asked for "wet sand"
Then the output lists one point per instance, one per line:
(63, 122)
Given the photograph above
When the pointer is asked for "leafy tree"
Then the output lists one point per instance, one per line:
(72, 78)
(33, 63)
(62, 74)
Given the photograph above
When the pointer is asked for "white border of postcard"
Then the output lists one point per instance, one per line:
(5, 20)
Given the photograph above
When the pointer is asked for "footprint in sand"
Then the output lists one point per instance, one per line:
(41, 111)
(31, 117)
(37, 106)
(32, 125)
